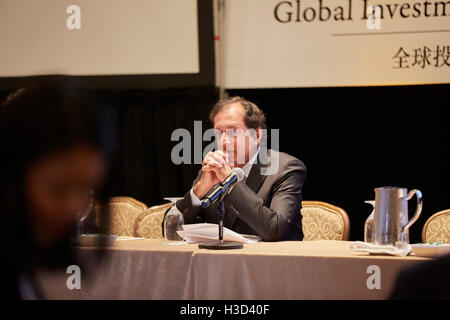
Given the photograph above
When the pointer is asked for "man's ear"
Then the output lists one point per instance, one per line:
(259, 134)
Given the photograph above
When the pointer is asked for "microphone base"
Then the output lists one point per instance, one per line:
(221, 245)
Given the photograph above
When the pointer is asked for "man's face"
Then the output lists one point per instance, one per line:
(233, 136)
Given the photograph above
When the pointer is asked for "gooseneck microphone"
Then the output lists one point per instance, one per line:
(220, 190)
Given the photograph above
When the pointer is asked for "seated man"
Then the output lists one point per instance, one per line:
(267, 201)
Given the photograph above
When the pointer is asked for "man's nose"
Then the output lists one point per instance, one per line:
(225, 138)
(227, 141)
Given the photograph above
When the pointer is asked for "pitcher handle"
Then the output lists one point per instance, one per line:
(418, 194)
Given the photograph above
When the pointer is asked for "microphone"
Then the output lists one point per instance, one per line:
(220, 190)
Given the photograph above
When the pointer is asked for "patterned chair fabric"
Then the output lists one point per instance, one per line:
(323, 221)
(124, 213)
(149, 224)
(437, 228)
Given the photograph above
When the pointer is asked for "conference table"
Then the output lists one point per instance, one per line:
(290, 270)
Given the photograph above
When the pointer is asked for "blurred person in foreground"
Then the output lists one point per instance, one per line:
(429, 280)
(267, 201)
(56, 146)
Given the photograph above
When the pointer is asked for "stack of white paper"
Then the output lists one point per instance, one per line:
(209, 232)
(124, 238)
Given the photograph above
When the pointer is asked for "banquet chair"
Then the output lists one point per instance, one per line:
(324, 221)
(149, 224)
(123, 215)
(437, 228)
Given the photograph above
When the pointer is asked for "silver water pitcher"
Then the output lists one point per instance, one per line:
(368, 225)
(391, 223)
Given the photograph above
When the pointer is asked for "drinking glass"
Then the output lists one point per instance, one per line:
(173, 221)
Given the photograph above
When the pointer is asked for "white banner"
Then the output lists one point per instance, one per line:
(301, 43)
(98, 37)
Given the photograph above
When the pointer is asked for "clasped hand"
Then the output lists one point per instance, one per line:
(215, 168)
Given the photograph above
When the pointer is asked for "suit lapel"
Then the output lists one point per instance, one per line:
(254, 181)
(255, 178)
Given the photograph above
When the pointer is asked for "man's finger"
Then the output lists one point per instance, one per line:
(221, 173)
(214, 162)
(219, 156)
(211, 166)
(207, 157)
(212, 158)
(222, 153)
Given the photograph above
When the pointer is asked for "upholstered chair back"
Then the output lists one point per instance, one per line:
(149, 225)
(324, 221)
(124, 213)
(437, 228)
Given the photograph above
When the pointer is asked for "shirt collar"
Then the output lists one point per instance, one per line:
(248, 166)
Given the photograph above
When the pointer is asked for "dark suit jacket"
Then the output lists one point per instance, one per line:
(264, 205)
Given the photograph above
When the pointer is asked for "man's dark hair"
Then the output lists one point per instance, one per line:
(254, 117)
